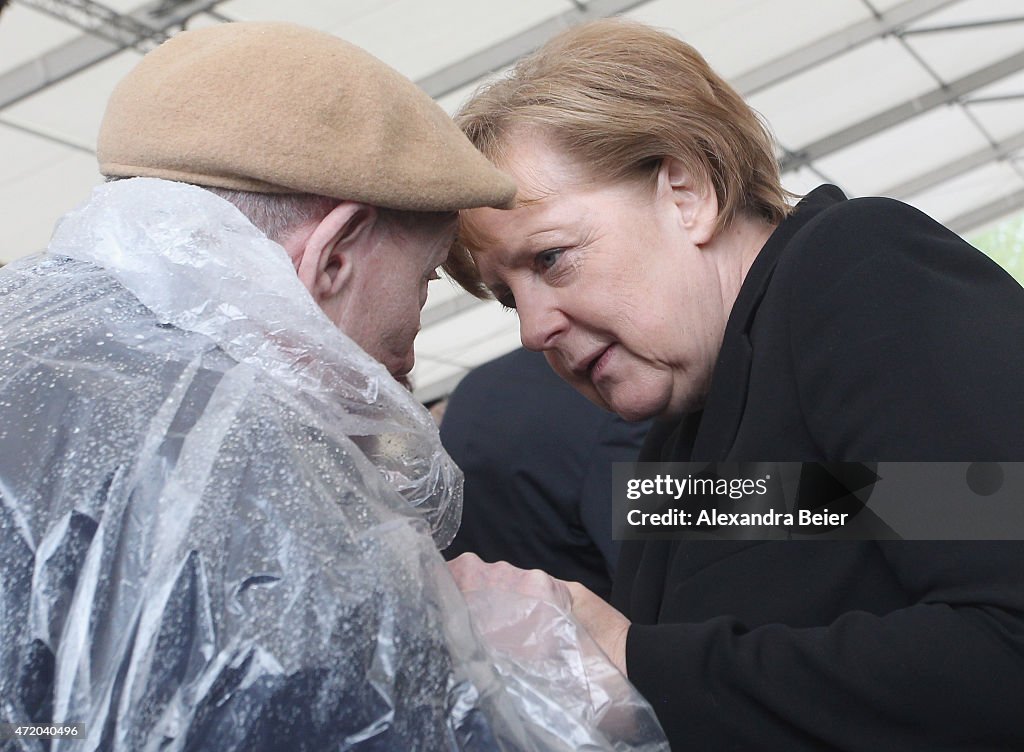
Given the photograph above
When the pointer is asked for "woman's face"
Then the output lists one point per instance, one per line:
(610, 280)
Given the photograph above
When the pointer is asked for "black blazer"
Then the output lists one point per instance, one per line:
(864, 331)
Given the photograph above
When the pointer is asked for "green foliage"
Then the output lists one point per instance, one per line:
(1004, 243)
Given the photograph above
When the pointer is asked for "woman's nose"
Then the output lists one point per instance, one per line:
(540, 323)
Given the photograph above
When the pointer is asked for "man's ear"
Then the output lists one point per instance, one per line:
(325, 260)
(695, 200)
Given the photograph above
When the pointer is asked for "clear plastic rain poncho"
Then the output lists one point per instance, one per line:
(219, 518)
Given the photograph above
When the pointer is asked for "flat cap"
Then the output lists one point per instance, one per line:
(279, 108)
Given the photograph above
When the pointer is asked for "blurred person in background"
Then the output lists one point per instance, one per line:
(537, 458)
(655, 259)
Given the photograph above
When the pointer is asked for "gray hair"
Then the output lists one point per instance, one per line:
(277, 215)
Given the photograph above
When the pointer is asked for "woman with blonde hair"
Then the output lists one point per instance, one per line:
(656, 260)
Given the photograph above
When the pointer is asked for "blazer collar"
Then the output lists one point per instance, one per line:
(726, 400)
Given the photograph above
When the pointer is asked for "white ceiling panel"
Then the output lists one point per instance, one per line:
(25, 32)
(737, 35)
(873, 165)
(25, 154)
(954, 53)
(969, 191)
(844, 90)
(408, 34)
(804, 180)
(320, 14)
(73, 108)
(1000, 107)
(884, 5)
(34, 202)
(1001, 120)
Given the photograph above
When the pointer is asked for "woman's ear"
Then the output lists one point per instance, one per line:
(325, 259)
(695, 199)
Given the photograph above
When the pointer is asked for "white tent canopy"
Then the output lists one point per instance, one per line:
(922, 100)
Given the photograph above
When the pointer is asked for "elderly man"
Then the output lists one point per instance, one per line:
(218, 510)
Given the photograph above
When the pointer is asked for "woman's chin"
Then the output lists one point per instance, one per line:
(637, 406)
(634, 408)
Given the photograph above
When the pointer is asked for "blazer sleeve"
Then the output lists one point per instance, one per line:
(944, 673)
(906, 345)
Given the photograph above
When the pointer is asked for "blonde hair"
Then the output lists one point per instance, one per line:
(619, 97)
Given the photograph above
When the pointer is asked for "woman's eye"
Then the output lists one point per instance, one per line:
(547, 259)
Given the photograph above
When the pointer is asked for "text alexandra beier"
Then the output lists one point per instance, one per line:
(815, 500)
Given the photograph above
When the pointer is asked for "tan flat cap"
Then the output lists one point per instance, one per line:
(278, 108)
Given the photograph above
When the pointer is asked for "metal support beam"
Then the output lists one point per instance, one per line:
(948, 94)
(504, 53)
(994, 99)
(100, 20)
(52, 138)
(962, 26)
(982, 215)
(86, 50)
(781, 68)
(1003, 150)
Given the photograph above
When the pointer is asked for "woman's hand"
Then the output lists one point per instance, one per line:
(606, 626)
